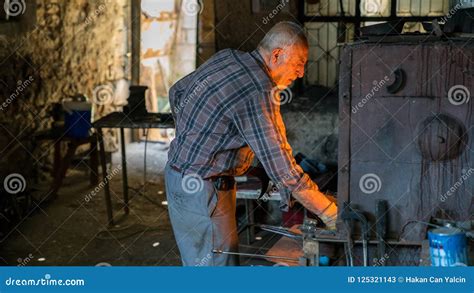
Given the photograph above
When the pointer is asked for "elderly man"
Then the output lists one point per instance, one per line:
(226, 112)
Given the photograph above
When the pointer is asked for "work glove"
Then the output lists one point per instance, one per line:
(319, 204)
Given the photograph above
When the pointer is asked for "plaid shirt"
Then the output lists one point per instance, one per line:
(225, 112)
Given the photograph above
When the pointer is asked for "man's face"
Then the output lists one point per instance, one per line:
(287, 64)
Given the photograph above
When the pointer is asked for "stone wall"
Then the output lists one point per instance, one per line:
(70, 47)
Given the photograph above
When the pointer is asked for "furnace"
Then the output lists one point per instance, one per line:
(406, 136)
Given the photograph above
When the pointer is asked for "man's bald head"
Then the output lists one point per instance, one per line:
(283, 34)
(284, 50)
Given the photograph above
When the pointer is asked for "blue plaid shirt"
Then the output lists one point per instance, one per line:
(225, 113)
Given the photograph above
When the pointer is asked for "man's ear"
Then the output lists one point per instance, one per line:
(276, 55)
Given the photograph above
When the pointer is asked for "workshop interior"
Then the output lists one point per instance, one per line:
(381, 122)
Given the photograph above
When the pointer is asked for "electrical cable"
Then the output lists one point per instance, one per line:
(144, 161)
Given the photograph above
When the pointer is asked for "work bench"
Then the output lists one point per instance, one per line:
(122, 120)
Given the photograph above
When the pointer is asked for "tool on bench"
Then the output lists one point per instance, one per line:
(280, 230)
(349, 215)
(307, 228)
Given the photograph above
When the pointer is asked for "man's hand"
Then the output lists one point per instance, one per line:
(319, 204)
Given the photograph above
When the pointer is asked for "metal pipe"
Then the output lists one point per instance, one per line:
(254, 255)
(103, 163)
(124, 172)
(364, 249)
(281, 231)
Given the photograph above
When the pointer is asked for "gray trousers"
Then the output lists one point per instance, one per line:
(203, 219)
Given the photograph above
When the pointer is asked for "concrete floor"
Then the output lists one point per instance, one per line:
(72, 231)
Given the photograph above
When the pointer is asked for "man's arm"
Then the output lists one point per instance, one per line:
(259, 121)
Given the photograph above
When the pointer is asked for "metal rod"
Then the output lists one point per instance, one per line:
(124, 172)
(103, 163)
(254, 255)
(280, 230)
(365, 252)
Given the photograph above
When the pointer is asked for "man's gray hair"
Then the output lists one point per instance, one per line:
(283, 34)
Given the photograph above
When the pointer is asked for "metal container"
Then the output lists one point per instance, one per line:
(77, 118)
(448, 247)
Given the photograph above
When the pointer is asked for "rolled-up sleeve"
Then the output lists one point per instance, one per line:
(259, 121)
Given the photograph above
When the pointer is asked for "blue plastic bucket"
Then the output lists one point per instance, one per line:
(77, 120)
(448, 247)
